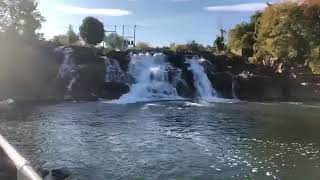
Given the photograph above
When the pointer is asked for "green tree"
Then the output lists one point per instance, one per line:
(244, 35)
(314, 60)
(61, 40)
(92, 31)
(311, 12)
(219, 42)
(143, 46)
(173, 46)
(194, 46)
(20, 17)
(115, 42)
(281, 33)
(72, 36)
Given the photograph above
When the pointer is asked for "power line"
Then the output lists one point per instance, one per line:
(123, 33)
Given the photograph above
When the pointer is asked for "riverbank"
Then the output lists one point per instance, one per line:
(52, 73)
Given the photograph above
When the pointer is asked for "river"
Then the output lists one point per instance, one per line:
(170, 139)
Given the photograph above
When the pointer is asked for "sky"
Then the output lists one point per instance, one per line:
(159, 22)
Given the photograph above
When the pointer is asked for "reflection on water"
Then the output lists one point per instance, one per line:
(170, 140)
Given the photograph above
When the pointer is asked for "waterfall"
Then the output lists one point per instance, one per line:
(68, 69)
(201, 80)
(154, 79)
(114, 72)
(234, 94)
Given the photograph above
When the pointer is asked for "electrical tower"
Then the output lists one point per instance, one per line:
(129, 40)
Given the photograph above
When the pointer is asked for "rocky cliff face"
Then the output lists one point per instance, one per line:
(27, 72)
(80, 73)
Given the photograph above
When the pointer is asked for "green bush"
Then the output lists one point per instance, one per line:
(314, 60)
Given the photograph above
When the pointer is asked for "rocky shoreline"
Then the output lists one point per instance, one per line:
(87, 81)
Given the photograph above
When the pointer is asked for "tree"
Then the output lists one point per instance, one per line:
(143, 46)
(20, 17)
(244, 35)
(115, 42)
(311, 12)
(173, 46)
(72, 36)
(219, 42)
(194, 46)
(92, 31)
(61, 40)
(282, 33)
(314, 60)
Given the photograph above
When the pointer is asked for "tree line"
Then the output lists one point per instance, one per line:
(285, 33)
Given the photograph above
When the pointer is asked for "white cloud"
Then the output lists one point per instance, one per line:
(92, 11)
(245, 7)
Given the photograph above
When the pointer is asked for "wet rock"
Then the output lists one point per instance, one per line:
(81, 75)
(177, 60)
(60, 174)
(208, 66)
(222, 83)
(259, 87)
(113, 90)
(122, 57)
(183, 90)
(42, 172)
(6, 104)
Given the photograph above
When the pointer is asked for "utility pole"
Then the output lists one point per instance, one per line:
(123, 31)
(127, 40)
(134, 37)
(123, 38)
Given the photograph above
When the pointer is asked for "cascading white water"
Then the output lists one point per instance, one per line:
(234, 94)
(153, 79)
(68, 69)
(201, 80)
(114, 72)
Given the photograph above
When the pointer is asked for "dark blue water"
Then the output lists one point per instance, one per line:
(170, 140)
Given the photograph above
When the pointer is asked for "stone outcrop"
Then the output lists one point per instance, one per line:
(86, 80)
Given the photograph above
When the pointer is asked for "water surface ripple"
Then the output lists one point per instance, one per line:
(170, 140)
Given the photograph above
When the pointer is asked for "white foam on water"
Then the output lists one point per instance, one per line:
(152, 80)
(196, 104)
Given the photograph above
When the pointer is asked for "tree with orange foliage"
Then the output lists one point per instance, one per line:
(281, 33)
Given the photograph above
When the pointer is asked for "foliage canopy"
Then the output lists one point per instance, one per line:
(92, 31)
(289, 32)
(20, 17)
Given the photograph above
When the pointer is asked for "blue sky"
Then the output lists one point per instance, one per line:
(159, 22)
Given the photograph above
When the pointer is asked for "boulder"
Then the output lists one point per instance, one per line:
(113, 90)
(60, 174)
(259, 87)
(83, 74)
(122, 57)
(222, 83)
(183, 90)
(178, 60)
